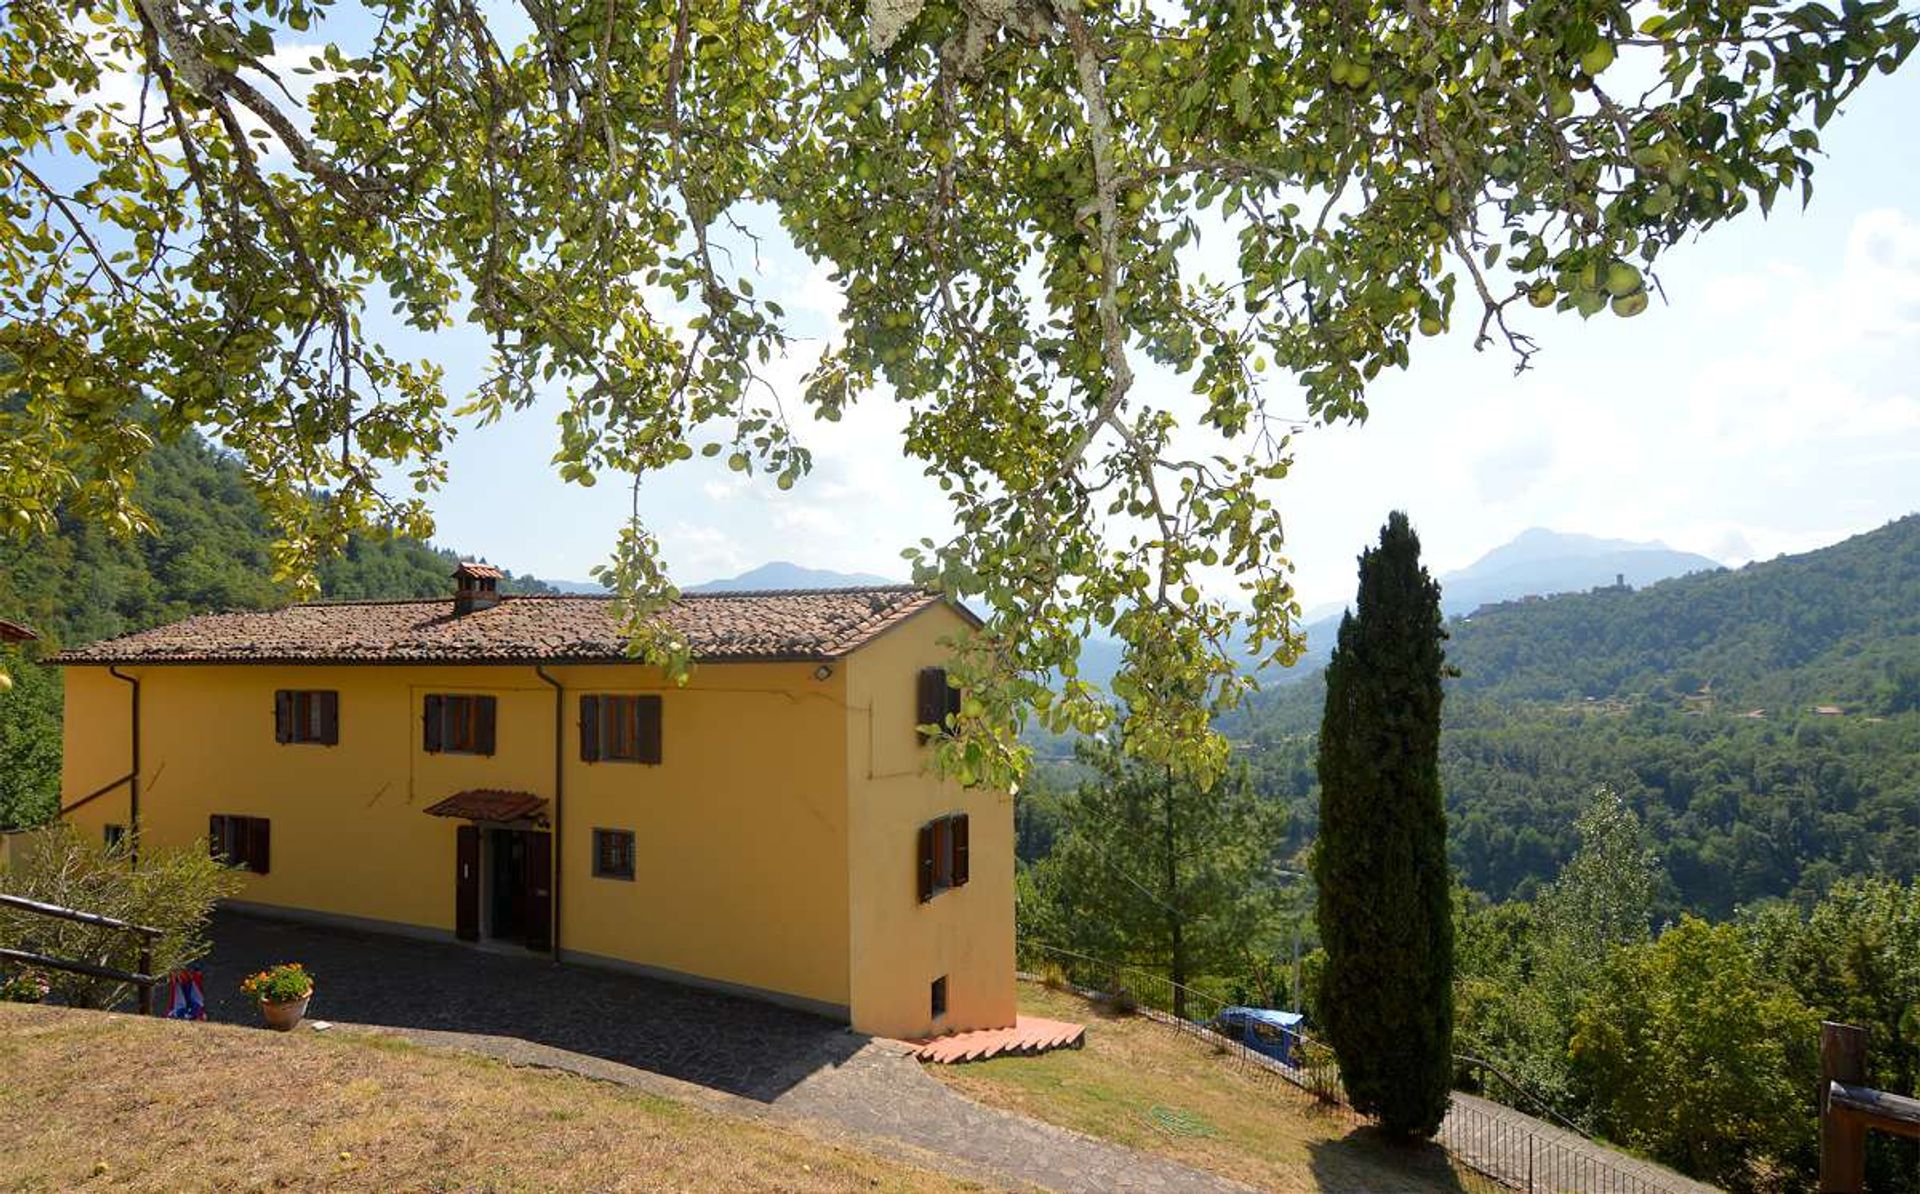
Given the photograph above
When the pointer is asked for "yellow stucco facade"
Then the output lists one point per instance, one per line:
(774, 843)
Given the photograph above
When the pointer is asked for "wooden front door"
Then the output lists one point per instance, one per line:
(466, 886)
(538, 925)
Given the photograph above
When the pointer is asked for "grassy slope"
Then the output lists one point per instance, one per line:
(1143, 1085)
(90, 1098)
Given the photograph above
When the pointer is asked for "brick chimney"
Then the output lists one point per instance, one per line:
(475, 587)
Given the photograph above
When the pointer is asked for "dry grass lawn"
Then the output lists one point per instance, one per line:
(1148, 1087)
(91, 1100)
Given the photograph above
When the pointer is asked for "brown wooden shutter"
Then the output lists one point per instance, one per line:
(926, 862)
(932, 705)
(257, 844)
(485, 712)
(590, 729)
(330, 718)
(960, 850)
(217, 836)
(433, 721)
(466, 883)
(283, 716)
(648, 710)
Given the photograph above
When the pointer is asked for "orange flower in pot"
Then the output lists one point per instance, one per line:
(282, 992)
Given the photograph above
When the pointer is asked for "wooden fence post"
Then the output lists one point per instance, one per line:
(1843, 1138)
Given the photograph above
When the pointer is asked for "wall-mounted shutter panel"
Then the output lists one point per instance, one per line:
(283, 716)
(257, 844)
(926, 862)
(960, 849)
(433, 721)
(484, 710)
(217, 836)
(932, 705)
(330, 718)
(648, 710)
(590, 729)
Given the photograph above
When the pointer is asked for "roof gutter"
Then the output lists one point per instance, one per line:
(133, 774)
(559, 784)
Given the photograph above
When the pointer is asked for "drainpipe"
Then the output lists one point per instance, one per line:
(133, 774)
(559, 781)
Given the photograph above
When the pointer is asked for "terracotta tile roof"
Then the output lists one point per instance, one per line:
(488, 804)
(14, 632)
(784, 624)
(472, 568)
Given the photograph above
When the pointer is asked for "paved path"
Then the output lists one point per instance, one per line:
(730, 1054)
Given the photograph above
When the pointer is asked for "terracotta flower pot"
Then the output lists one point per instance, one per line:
(285, 1016)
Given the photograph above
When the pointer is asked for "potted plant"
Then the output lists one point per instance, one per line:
(282, 992)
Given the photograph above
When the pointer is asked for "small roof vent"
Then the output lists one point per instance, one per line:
(475, 586)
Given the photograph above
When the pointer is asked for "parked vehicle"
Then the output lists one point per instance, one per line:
(1265, 1030)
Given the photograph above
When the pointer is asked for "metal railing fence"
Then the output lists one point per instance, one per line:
(1503, 1147)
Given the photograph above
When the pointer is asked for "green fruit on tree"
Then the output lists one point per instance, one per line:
(1542, 295)
(1360, 75)
(1626, 306)
(1597, 59)
(1622, 279)
(1560, 104)
(1431, 325)
(6, 682)
(1342, 71)
(1443, 202)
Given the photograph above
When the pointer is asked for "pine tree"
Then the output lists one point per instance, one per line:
(1157, 870)
(1386, 996)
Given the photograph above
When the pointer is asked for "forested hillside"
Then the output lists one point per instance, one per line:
(211, 554)
(1696, 699)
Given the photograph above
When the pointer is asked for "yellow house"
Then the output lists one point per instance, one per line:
(494, 769)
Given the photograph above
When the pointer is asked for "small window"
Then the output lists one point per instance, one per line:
(115, 834)
(939, 997)
(613, 853)
(621, 729)
(306, 716)
(459, 724)
(239, 841)
(944, 862)
(939, 701)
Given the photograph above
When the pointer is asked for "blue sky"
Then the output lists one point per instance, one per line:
(1772, 405)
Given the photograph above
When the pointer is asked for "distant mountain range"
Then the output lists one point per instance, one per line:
(1537, 562)
(782, 575)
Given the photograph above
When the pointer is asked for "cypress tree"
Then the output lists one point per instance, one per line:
(1386, 995)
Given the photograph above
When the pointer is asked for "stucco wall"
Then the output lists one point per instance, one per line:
(899, 945)
(740, 833)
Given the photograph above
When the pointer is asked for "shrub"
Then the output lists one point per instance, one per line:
(174, 890)
(24, 986)
(1053, 976)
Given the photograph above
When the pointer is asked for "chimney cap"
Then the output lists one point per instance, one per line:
(476, 569)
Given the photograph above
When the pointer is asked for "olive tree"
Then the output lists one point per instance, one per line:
(206, 203)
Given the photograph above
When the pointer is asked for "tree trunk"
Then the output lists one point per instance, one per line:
(1179, 968)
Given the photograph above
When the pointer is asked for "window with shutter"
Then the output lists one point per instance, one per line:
(613, 853)
(944, 862)
(460, 723)
(306, 716)
(937, 703)
(621, 729)
(240, 841)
